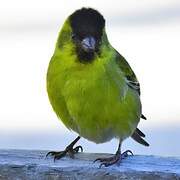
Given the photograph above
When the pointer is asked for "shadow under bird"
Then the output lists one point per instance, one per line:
(92, 88)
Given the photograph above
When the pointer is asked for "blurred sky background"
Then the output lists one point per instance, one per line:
(146, 33)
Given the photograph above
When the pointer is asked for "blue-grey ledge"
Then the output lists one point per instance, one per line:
(32, 164)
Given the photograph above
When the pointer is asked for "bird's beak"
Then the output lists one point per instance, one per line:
(88, 44)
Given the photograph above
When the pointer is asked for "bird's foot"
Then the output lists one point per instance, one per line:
(109, 161)
(68, 151)
(114, 159)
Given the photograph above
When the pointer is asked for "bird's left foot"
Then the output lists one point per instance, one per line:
(114, 159)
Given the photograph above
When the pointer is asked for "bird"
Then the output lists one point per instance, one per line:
(92, 88)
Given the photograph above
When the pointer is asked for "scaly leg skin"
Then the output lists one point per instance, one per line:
(70, 150)
(114, 159)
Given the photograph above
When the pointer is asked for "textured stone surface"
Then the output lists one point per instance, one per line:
(26, 164)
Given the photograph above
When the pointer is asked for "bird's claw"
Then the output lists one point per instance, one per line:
(98, 159)
(126, 154)
(77, 148)
(60, 154)
(56, 154)
(103, 164)
(108, 161)
(114, 159)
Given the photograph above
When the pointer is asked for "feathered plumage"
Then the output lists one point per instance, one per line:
(91, 87)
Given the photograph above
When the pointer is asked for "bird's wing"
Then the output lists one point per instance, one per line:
(131, 78)
(133, 83)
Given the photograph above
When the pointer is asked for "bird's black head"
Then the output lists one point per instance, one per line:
(87, 29)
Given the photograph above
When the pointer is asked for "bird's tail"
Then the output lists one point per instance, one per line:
(138, 136)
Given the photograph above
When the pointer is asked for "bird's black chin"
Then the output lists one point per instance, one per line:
(86, 57)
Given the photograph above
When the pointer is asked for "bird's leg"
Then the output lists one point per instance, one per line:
(114, 159)
(70, 150)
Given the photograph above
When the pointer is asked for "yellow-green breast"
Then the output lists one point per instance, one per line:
(93, 99)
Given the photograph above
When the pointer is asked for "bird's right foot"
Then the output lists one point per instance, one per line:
(70, 150)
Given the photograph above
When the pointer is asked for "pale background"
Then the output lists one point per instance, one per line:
(146, 33)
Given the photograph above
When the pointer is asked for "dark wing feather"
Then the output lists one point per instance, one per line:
(143, 117)
(132, 80)
(137, 136)
(140, 132)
